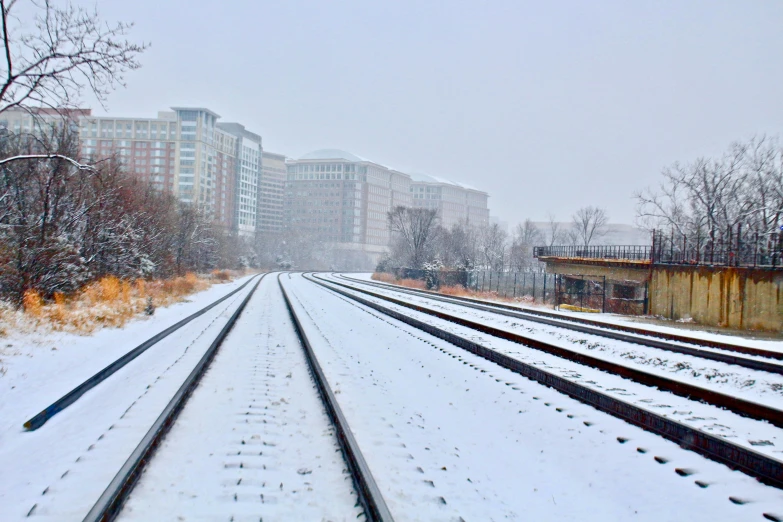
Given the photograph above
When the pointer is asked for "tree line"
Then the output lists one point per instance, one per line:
(713, 199)
(64, 223)
(419, 240)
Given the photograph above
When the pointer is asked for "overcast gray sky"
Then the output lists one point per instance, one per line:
(547, 106)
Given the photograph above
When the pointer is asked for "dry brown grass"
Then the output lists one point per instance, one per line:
(107, 302)
(455, 290)
(221, 275)
(384, 277)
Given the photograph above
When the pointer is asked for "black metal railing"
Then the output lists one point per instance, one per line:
(734, 247)
(616, 252)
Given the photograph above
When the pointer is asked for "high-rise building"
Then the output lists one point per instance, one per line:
(344, 199)
(455, 202)
(271, 193)
(187, 153)
(248, 176)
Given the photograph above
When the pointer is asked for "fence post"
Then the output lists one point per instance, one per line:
(534, 287)
(543, 297)
(515, 286)
(603, 303)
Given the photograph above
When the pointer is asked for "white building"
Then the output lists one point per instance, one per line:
(455, 202)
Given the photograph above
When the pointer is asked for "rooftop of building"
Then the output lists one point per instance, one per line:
(331, 154)
(338, 154)
(273, 155)
(197, 109)
(418, 177)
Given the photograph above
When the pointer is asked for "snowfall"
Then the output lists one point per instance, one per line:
(446, 434)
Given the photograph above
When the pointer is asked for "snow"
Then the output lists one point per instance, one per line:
(742, 431)
(61, 469)
(448, 434)
(445, 433)
(752, 385)
(253, 440)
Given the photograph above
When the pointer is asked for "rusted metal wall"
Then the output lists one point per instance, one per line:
(744, 298)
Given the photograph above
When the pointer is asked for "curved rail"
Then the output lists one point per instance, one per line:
(740, 406)
(560, 322)
(757, 465)
(369, 495)
(603, 327)
(110, 502)
(72, 396)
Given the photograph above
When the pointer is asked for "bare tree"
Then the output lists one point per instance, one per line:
(589, 224)
(415, 230)
(526, 236)
(554, 232)
(492, 241)
(710, 196)
(50, 59)
(458, 246)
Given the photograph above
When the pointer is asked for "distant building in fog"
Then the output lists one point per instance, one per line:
(455, 202)
(344, 199)
(272, 192)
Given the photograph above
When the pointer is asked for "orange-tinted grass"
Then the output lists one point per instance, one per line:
(107, 302)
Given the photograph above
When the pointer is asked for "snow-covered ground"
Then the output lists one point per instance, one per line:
(448, 434)
(445, 433)
(763, 343)
(59, 470)
(753, 385)
(254, 441)
(756, 435)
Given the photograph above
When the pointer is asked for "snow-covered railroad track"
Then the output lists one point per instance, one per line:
(60, 470)
(110, 502)
(626, 364)
(711, 350)
(72, 396)
(759, 464)
(254, 442)
(448, 434)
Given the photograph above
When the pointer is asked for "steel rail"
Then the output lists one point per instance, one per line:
(597, 324)
(369, 494)
(72, 396)
(761, 467)
(110, 502)
(740, 406)
(752, 364)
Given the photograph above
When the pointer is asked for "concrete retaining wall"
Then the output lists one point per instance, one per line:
(744, 298)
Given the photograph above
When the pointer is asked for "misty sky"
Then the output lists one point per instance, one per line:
(548, 106)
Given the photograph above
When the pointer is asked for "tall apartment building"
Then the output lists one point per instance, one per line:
(184, 152)
(188, 153)
(22, 121)
(248, 164)
(455, 202)
(344, 199)
(272, 192)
